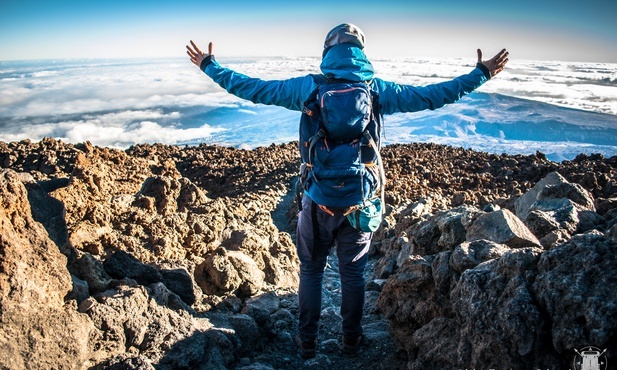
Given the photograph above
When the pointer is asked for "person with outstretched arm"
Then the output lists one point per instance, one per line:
(343, 59)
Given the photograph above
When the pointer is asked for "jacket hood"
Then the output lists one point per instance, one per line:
(348, 62)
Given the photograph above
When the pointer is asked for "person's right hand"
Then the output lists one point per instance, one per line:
(197, 56)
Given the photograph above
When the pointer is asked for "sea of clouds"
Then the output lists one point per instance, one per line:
(559, 108)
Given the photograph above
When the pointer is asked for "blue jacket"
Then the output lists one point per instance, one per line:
(346, 61)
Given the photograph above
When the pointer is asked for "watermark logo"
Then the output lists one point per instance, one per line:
(590, 358)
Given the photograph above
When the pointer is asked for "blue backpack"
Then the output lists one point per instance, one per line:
(340, 139)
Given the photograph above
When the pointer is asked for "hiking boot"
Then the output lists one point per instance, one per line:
(352, 344)
(308, 349)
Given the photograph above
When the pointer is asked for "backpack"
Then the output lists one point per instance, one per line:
(340, 138)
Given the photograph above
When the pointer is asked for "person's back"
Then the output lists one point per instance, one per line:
(323, 218)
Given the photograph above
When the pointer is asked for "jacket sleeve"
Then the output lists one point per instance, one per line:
(290, 93)
(406, 98)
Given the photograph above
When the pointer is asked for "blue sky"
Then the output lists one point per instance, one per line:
(537, 30)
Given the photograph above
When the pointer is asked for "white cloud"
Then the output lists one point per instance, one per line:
(119, 103)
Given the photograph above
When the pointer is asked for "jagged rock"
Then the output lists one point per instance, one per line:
(493, 303)
(502, 227)
(561, 210)
(122, 265)
(441, 232)
(409, 300)
(125, 362)
(541, 223)
(566, 190)
(269, 301)
(470, 254)
(492, 320)
(576, 284)
(137, 317)
(180, 282)
(80, 291)
(589, 220)
(91, 270)
(37, 329)
(603, 205)
(406, 249)
(88, 237)
(50, 213)
(523, 203)
(170, 194)
(177, 223)
(165, 297)
(554, 238)
(228, 271)
(612, 233)
(247, 331)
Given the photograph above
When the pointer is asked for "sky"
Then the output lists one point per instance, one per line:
(566, 30)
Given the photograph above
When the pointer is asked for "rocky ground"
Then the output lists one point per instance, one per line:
(183, 258)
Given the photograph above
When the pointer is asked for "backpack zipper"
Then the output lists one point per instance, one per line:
(333, 92)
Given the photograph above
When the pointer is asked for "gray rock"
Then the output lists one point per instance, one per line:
(540, 223)
(604, 205)
(188, 353)
(269, 301)
(80, 291)
(437, 345)
(123, 265)
(406, 250)
(576, 285)
(125, 362)
(221, 350)
(589, 220)
(180, 282)
(470, 254)
(523, 203)
(566, 190)
(441, 232)
(500, 323)
(91, 270)
(502, 227)
(247, 332)
(409, 300)
(443, 276)
(165, 297)
(256, 366)
(612, 233)
(375, 285)
(555, 238)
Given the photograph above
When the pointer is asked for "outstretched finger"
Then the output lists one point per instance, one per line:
(210, 47)
(190, 51)
(501, 56)
(479, 56)
(197, 49)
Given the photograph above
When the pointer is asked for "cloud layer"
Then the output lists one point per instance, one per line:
(566, 107)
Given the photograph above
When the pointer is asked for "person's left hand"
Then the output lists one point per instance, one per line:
(197, 56)
(496, 63)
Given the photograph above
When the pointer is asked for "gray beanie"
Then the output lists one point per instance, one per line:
(345, 33)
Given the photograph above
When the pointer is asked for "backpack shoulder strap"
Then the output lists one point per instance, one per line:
(382, 173)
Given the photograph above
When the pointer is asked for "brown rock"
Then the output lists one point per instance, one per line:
(38, 330)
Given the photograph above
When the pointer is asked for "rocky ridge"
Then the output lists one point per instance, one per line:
(170, 257)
